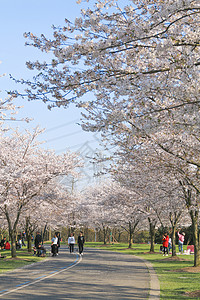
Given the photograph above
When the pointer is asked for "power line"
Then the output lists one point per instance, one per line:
(63, 136)
(62, 125)
(75, 146)
(80, 145)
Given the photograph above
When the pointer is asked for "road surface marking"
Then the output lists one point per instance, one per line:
(41, 278)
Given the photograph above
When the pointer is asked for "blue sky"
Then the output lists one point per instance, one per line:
(37, 17)
(62, 131)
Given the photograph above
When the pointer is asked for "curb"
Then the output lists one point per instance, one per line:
(154, 289)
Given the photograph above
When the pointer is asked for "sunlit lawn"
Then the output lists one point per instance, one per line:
(174, 281)
(23, 258)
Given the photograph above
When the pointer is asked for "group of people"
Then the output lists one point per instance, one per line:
(80, 242)
(20, 240)
(55, 245)
(5, 245)
(39, 248)
(71, 243)
(167, 244)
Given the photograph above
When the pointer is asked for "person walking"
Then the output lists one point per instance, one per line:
(20, 242)
(58, 243)
(23, 238)
(54, 245)
(165, 244)
(170, 245)
(181, 238)
(71, 242)
(81, 241)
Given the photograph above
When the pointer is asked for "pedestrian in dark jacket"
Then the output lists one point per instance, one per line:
(38, 240)
(58, 244)
(23, 238)
(3, 243)
(81, 241)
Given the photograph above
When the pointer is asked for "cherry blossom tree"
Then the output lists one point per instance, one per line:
(93, 211)
(26, 170)
(152, 178)
(191, 196)
(140, 64)
(46, 210)
(109, 205)
(123, 49)
(8, 110)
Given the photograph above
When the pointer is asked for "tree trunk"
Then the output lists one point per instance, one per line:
(104, 235)
(196, 247)
(152, 231)
(174, 219)
(12, 229)
(132, 227)
(173, 237)
(86, 233)
(110, 236)
(99, 239)
(29, 243)
(194, 217)
(28, 234)
(13, 242)
(130, 235)
(119, 236)
(50, 233)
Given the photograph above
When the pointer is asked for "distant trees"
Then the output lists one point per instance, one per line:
(109, 205)
(158, 191)
(25, 174)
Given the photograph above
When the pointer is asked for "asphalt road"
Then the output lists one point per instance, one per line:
(97, 275)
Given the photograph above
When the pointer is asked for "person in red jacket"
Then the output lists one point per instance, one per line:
(7, 246)
(165, 244)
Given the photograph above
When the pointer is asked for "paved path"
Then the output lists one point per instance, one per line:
(97, 275)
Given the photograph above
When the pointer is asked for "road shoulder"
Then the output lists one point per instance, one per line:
(154, 290)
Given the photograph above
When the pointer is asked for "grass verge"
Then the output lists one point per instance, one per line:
(178, 278)
(23, 258)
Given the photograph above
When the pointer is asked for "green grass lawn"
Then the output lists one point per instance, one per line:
(174, 278)
(23, 258)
